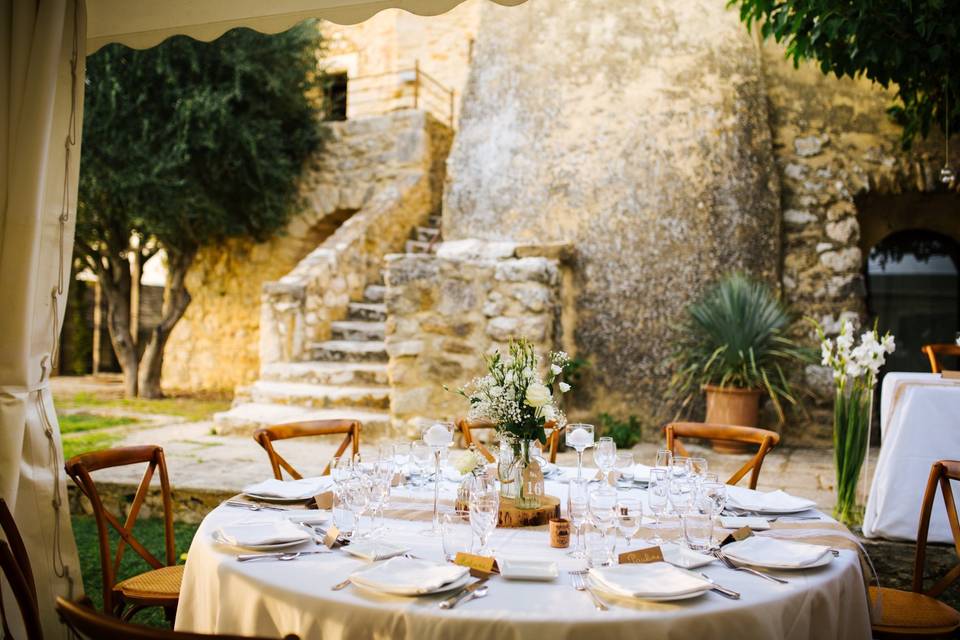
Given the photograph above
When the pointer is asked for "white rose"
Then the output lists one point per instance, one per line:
(564, 387)
(556, 369)
(537, 395)
(549, 413)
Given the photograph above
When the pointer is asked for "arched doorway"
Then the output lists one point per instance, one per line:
(913, 289)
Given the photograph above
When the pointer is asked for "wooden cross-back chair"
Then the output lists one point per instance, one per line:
(87, 623)
(266, 436)
(936, 351)
(917, 613)
(764, 439)
(19, 576)
(467, 427)
(159, 587)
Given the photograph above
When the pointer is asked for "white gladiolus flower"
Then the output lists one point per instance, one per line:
(556, 369)
(889, 345)
(844, 342)
(826, 351)
(537, 395)
(564, 387)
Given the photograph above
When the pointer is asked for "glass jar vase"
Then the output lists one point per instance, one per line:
(528, 477)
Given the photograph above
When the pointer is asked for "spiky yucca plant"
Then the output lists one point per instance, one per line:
(735, 337)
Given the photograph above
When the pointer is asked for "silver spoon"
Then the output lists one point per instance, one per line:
(479, 593)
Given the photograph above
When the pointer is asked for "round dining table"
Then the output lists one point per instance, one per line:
(271, 598)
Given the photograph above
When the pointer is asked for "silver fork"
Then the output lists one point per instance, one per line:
(729, 563)
(576, 578)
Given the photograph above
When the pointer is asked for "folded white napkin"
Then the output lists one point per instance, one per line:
(771, 552)
(736, 522)
(308, 516)
(290, 489)
(247, 534)
(641, 472)
(772, 502)
(369, 550)
(408, 577)
(652, 580)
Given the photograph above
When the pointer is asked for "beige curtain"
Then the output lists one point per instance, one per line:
(42, 48)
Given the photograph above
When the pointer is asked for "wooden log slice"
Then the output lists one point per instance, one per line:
(511, 517)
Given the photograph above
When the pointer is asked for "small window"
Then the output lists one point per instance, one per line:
(336, 96)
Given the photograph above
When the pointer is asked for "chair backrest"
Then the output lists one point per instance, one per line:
(19, 576)
(80, 467)
(87, 623)
(766, 440)
(935, 351)
(266, 436)
(941, 473)
(467, 427)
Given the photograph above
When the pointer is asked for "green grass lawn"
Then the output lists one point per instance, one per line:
(191, 408)
(83, 432)
(148, 531)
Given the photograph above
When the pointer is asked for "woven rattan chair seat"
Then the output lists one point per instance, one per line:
(160, 586)
(913, 614)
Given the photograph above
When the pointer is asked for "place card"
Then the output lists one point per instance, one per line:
(641, 556)
(331, 539)
(948, 374)
(480, 566)
(740, 534)
(323, 500)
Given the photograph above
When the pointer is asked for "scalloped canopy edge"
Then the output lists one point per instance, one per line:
(144, 23)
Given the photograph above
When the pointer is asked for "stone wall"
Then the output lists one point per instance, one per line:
(445, 311)
(625, 130)
(369, 171)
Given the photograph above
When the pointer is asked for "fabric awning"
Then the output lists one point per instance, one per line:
(146, 23)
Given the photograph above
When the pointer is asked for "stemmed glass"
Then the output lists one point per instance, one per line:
(657, 493)
(629, 515)
(698, 468)
(422, 456)
(664, 459)
(623, 465)
(603, 508)
(681, 467)
(577, 503)
(580, 437)
(356, 491)
(381, 479)
(681, 492)
(604, 456)
(439, 437)
(715, 495)
(484, 509)
(401, 456)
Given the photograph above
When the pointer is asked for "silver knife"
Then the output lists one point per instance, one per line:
(456, 598)
(730, 593)
(243, 557)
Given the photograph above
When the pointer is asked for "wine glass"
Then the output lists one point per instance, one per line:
(623, 465)
(664, 459)
(439, 437)
(577, 505)
(603, 508)
(422, 456)
(604, 455)
(698, 468)
(580, 437)
(401, 457)
(341, 468)
(681, 492)
(457, 534)
(629, 515)
(657, 494)
(484, 509)
(357, 495)
(681, 467)
(714, 494)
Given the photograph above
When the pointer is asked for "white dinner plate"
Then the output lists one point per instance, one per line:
(260, 547)
(261, 498)
(825, 559)
(450, 586)
(542, 570)
(596, 584)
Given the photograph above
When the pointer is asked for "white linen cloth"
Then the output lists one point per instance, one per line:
(375, 550)
(408, 576)
(736, 522)
(770, 502)
(301, 489)
(771, 552)
(246, 534)
(221, 595)
(653, 580)
(919, 424)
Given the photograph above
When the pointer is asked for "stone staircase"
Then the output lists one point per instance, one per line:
(346, 376)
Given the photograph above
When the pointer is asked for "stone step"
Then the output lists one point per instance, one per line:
(349, 351)
(375, 312)
(345, 373)
(374, 293)
(357, 330)
(243, 419)
(427, 234)
(318, 396)
(414, 246)
(434, 221)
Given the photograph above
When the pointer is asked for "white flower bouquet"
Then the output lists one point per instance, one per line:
(855, 370)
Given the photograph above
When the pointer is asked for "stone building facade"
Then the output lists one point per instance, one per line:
(610, 161)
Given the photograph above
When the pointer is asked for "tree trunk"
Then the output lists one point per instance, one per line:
(115, 283)
(176, 298)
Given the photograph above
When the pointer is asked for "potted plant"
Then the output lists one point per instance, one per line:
(735, 349)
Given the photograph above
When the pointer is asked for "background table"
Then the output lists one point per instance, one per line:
(919, 424)
(221, 595)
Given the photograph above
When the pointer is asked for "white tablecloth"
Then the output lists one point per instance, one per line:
(919, 424)
(221, 595)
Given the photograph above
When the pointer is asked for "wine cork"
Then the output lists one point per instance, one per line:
(559, 533)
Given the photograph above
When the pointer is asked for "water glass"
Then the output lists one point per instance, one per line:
(601, 548)
(604, 455)
(714, 495)
(401, 457)
(657, 498)
(343, 517)
(603, 507)
(623, 465)
(664, 459)
(629, 516)
(698, 530)
(681, 492)
(457, 534)
(698, 467)
(422, 458)
(577, 510)
(681, 467)
(484, 509)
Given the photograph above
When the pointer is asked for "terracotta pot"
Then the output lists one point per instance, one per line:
(733, 406)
